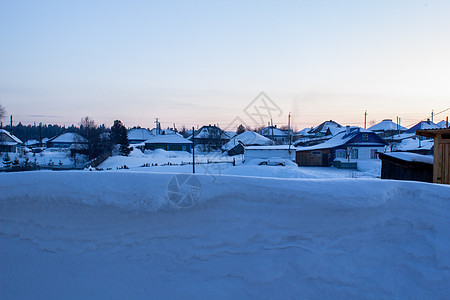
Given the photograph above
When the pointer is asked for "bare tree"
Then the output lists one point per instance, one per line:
(91, 132)
(2, 112)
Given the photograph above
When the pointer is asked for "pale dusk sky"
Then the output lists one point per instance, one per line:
(202, 62)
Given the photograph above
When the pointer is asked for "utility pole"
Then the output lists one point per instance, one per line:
(10, 124)
(40, 135)
(271, 127)
(398, 127)
(158, 130)
(193, 150)
(365, 119)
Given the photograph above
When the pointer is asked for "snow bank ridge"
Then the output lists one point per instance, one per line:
(149, 191)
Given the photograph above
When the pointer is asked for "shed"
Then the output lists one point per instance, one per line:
(263, 152)
(406, 166)
(169, 142)
(441, 165)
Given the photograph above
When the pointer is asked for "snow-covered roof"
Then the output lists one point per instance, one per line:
(408, 156)
(272, 147)
(414, 143)
(387, 125)
(156, 131)
(231, 134)
(168, 139)
(207, 132)
(423, 125)
(139, 134)
(11, 136)
(442, 124)
(271, 130)
(247, 138)
(339, 139)
(331, 125)
(68, 137)
(303, 132)
(31, 142)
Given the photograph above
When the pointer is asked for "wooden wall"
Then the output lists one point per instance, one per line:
(308, 159)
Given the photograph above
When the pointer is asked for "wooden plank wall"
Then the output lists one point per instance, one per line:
(441, 173)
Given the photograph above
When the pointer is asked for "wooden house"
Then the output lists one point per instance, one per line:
(139, 135)
(9, 142)
(348, 146)
(387, 128)
(441, 165)
(280, 137)
(68, 140)
(210, 137)
(249, 138)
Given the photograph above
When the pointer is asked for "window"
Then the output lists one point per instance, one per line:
(341, 154)
(354, 154)
(365, 137)
(373, 153)
(316, 153)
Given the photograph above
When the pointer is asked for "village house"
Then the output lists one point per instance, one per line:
(139, 135)
(169, 142)
(249, 138)
(319, 134)
(68, 140)
(280, 137)
(210, 137)
(422, 125)
(9, 142)
(387, 128)
(351, 145)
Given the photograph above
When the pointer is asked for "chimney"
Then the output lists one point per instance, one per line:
(347, 129)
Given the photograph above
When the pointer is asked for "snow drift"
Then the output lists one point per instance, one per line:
(117, 234)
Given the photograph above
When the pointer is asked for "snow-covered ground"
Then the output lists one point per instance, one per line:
(56, 157)
(161, 161)
(122, 234)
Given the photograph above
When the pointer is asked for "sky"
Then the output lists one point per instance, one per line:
(193, 63)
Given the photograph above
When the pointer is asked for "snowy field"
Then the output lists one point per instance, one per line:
(55, 157)
(128, 234)
(160, 161)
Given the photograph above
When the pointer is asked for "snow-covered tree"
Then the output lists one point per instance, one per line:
(119, 136)
(7, 160)
(240, 129)
(16, 162)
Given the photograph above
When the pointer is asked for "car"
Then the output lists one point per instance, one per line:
(273, 161)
